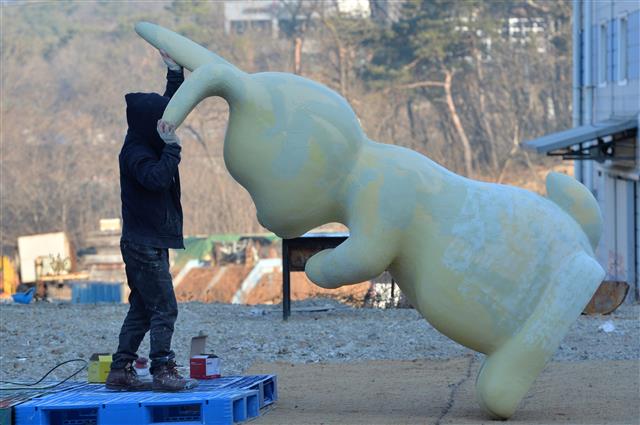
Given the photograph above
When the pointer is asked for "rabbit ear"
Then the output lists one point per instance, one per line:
(211, 79)
(185, 52)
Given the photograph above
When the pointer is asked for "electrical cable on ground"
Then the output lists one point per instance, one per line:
(31, 386)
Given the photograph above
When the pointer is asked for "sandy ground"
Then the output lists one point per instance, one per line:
(442, 392)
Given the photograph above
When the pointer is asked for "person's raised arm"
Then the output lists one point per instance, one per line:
(152, 173)
(175, 74)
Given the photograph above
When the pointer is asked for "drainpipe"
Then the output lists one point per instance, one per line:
(587, 114)
(577, 71)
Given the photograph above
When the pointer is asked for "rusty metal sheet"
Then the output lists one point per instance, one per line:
(608, 297)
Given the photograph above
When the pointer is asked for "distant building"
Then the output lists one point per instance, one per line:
(604, 141)
(243, 15)
(267, 15)
(523, 30)
(353, 8)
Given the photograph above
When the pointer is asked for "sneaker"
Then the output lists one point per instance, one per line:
(167, 379)
(126, 380)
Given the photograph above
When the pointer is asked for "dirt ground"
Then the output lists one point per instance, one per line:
(219, 284)
(442, 392)
(345, 365)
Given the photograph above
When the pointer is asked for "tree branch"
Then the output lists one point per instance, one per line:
(415, 85)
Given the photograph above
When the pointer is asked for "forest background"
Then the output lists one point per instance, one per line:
(463, 82)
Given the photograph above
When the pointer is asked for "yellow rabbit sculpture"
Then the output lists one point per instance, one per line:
(498, 269)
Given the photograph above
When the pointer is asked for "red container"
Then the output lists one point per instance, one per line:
(205, 366)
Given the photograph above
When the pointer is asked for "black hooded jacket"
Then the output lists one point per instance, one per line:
(149, 178)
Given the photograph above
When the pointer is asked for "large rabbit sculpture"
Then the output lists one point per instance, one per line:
(498, 269)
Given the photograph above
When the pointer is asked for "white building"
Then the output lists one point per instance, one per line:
(523, 30)
(266, 15)
(242, 15)
(606, 113)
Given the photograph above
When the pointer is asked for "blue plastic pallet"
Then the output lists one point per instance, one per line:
(10, 398)
(222, 407)
(221, 401)
(266, 385)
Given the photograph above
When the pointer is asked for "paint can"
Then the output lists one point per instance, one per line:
(141, 367)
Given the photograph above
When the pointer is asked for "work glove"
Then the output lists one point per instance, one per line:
(171, 64)
(167, 132)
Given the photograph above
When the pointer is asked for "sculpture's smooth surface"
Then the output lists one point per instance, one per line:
(498, 269)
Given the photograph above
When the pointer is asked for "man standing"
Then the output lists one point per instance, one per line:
(152, 223)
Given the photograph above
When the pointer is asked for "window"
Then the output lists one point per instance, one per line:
(602, 56)
(612, 54)
(633, 45)
(623, 45)
(238, 27)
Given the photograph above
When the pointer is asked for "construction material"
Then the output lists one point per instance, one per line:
(102, 258)
(42, 246)
(8, 276)
(185, 270)
(262, 267)
(99, 366)
(24, 297)
(110, 225)
(87, 292)
(607, 298)
(228, 401)
(58, 287)
(64, 277)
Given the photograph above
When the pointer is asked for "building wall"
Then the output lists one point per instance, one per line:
(637, 247)
(616, 92)
(613, 92)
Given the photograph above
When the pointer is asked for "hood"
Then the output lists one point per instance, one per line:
(143, 112)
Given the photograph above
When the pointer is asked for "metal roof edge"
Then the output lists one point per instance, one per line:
(581, 134)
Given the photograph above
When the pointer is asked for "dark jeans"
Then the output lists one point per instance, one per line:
(152, 305)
